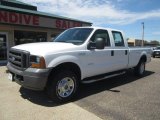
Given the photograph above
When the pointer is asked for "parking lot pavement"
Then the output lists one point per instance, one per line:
(17, 103)
(124, 97)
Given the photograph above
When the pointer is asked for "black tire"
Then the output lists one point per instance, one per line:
(140, 68)
(153, 56)
(57, 81)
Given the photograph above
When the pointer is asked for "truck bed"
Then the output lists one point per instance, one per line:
(136, 52)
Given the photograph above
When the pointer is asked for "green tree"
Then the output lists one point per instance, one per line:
(155, 42)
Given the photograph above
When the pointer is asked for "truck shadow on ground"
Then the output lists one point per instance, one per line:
(40, 98)
(110, 84)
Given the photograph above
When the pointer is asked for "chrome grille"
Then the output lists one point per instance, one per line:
(19, 59)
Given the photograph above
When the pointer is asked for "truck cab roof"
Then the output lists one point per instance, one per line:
(95, 27)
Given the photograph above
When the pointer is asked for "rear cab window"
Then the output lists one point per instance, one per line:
(118, 39)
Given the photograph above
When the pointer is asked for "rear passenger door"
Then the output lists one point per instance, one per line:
(120, 51)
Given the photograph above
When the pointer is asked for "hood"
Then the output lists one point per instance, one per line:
(44, 48)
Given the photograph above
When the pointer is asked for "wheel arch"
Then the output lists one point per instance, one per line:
(137, 69)
(65, 66)
(144, 58)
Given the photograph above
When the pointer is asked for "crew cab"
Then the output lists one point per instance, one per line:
(78, 55)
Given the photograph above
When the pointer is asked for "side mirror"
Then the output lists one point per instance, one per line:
(100, 43)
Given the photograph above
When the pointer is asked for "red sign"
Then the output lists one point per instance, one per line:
(35, 20)
(18, 18)
(63, 24)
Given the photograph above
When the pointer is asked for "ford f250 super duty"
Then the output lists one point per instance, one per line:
(78, 55)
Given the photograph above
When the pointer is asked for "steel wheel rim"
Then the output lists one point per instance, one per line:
(65, 87)
(142, 68)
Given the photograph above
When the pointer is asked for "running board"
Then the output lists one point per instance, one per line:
(99, 79)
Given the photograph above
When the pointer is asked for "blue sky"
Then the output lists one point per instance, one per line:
(126, 15)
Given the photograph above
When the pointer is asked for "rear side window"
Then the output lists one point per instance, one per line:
(101, 34)
(118, 39)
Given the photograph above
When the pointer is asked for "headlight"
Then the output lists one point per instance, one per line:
(37, 62)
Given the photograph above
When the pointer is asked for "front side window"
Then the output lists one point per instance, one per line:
(101, 34)
(75, 35)
(118, 39)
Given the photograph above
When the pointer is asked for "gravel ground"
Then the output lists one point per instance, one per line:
(17, 103)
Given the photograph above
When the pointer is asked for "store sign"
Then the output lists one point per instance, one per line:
(63, 24)
(17, 18)
(34, 20)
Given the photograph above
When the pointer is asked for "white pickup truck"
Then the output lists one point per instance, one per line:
(78, 55)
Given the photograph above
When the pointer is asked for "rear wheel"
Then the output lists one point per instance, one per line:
(140, 68)
(63, 86)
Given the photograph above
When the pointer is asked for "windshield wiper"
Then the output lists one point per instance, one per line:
(74, 41)
(60, 41)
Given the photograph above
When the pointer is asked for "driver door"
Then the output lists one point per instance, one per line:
(98, 61)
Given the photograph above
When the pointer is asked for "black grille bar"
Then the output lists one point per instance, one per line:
(19, 58)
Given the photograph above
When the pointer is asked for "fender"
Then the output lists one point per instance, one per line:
(63, 59)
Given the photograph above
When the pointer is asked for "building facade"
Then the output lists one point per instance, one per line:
(138, 42)
(21, 23)
(134, 42)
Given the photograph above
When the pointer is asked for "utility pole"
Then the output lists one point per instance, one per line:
(142, 33)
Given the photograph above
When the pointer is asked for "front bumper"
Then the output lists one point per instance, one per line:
(30, 78)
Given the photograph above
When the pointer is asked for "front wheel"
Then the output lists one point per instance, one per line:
(63, 86)
(140, 68)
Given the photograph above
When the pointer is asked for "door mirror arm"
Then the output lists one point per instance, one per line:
(91, 45)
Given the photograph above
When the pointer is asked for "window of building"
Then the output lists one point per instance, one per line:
(22, 37)
(3, 47)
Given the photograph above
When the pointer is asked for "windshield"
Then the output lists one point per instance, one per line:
(76, 36)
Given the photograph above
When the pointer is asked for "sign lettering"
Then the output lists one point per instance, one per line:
(18, 18)
(64, 24)
(35, 20)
